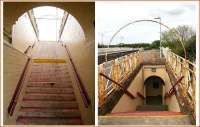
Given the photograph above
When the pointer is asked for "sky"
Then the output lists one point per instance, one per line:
(111, 15)
(48, 20)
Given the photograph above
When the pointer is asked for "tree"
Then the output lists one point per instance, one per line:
(187, 36)
(155, 44)
(191, 48)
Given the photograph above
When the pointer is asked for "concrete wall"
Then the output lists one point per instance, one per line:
(161, 72)
(11, 74)
(22, 33)
(126, 104)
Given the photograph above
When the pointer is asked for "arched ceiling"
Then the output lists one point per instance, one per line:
(84, 12)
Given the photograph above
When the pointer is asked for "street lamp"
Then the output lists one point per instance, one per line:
(160, 34)
(102, 39)
(102, 36)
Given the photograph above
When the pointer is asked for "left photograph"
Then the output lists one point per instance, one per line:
(49, 63)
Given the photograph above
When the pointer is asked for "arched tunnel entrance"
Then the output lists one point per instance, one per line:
(154, 86)
(48, 75)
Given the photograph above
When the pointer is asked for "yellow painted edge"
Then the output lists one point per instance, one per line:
(45, 60)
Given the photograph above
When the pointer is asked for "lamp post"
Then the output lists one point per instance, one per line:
(102, 39)
(160, 34)
(102, 36)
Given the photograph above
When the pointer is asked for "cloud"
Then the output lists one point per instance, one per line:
(171, 12)
(190, 7)
(175, 12)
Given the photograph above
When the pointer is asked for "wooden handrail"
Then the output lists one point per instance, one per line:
(118, 84)
(81, 87)
(18, 88)
(172, 90)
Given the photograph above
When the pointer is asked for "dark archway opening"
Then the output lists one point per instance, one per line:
(154, 90)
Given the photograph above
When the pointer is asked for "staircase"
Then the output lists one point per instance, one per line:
(146, 118)
(147, 115)
(152, 57)
(152, 108)
(48, 97)
(154, 113)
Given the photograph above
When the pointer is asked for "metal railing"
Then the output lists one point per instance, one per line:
(118, 70)
(182, 67)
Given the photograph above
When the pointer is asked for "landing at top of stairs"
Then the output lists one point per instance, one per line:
(145, 113)
(146, 118)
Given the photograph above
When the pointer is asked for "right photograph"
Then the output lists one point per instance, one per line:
(146, 62)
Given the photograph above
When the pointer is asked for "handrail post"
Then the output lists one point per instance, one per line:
(101, 86)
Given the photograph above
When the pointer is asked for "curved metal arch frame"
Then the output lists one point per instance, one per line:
(148, 20)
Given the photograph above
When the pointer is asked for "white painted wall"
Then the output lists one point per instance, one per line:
(72, 33)
(23, 33)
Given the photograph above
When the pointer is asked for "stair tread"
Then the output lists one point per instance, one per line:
(49, 85)
(50, 104)
(48, 121)
(49, 90)
(146, 113)
(45, 112)
(50, 97)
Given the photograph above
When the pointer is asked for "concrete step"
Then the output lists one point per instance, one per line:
(49, 97)
(48, 77)
(50, 90)
(48, 121)
(146, 119)
(50, 84)
(49, 104)
(145, 113)
(45, 112)
(63, 72)
(152, 108)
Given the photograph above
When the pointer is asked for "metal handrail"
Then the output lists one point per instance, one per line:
(18, 89)
(119, 85)
(81, 87)
(172, 90)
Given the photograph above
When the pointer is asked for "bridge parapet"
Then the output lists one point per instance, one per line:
(119, 70)
(182, 67)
